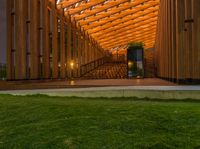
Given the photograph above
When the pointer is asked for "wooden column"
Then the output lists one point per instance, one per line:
(46, 42)
(180, 39)
(96, 50)
(9, 64)
(62, 47)
(69, 58)
(83, 51)
(188, 39)
(173, 39)
(34, 43)
(79, 55)
(196, 40)
(74, 53)
(168, 39)
(20, 71)
(54, 41)
(90, 52)
(86, 51)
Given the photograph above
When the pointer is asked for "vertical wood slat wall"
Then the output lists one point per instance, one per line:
(38, 47)
(178, 41)
(20, 35)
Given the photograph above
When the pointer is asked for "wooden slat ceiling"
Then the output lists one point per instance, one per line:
(114, 23)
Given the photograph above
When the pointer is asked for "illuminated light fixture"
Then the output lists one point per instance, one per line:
(59, 65)
(72, 65)
(72, 82)
(130, 64)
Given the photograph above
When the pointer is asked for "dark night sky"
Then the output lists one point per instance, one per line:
(2, 31)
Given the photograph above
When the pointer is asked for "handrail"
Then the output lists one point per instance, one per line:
(92, 65)
(108, 70)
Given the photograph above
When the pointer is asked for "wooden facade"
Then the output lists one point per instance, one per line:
(43, 43)
(53, 39)
(178, 41)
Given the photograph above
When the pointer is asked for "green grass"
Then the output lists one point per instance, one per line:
(41, 122)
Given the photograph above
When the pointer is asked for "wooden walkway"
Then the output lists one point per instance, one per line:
(50, 84)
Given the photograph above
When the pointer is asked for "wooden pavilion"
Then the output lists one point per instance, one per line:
(55, 38)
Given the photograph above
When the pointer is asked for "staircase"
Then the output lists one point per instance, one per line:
(108, 71)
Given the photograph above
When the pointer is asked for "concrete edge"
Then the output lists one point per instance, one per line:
(151, 94)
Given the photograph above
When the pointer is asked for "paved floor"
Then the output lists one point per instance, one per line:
(141, 88)
(49, 84)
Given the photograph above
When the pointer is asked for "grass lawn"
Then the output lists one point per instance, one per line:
(41, 122)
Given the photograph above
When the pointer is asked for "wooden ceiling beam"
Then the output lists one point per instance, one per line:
(123, 31)
(129, 34)
(99, 9)
(116, 30)
(84, 6)
(146, 41)
(149, 35)
(68, 3)
(111, 12)
(114, 23)
(121, 16)
(128, 20)
(143, 40)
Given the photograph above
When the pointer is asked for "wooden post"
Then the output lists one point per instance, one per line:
(9, 66)
(83, 51)
(79, 55)
(86, 51)
(62, 46)
(74, 53)
(196, 39)
(20, 71)
(173, 39)
(55, 43)
(34, 44)
(69, 58)
(46, 42)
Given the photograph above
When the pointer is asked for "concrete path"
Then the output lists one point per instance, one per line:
(153, 92)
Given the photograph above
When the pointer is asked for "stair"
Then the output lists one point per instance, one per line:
(108, 71)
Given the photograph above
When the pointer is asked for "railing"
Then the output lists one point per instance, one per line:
(2, 71)
(109, 70)
(92, 65)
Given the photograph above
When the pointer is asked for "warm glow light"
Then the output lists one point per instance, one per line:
(72, 65)
(72, 82)
(59, 65)
(130, 64)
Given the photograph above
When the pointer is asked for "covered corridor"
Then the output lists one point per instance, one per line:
(64, 39)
